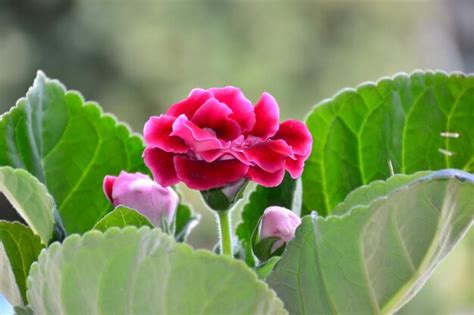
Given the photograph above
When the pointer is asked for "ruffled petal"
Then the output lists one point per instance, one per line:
(264, 178)
(157, 133)
(267, 115)
(190, 104)
(297, 135)
(215, 115)
(269, 155)
(242, 109)
(161, 165)
(108, 186)
(201, 175)
(295, 166)
(196, 138)
(225, 154)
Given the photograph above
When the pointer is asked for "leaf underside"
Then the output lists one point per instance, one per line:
(31, 199)
(377, 256)
(143, 271)
(19, 248)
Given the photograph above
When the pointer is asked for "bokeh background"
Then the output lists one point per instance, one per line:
(137, 57)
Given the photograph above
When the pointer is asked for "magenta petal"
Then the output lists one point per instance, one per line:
(264, 178)
(196, 138)
(295, 167)
(190, 104)
(161, 165)
(242, 109)
(269, 155)
(225, 154)
(157, 133)
(215, 115)
(297, 135)
(201, 175)
(108, 186)
(266, 117)
(212, 155)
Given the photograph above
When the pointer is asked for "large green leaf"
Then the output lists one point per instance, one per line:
(364, 195)
(399, 123)
(375, 258)
(19, 248)
(284, 195)
(143, 271)
(69, 145)
(31, 199)
(122, 217)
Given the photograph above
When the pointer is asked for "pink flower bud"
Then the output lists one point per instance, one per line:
(279, 222)
(139, 192)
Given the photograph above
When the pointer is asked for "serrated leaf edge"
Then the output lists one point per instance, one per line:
(76, 240)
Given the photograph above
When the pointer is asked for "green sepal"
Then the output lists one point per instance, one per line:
(224, 198)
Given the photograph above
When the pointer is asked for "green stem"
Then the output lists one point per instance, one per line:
(225, 232)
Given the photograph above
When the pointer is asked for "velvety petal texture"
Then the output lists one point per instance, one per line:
(201, 175)
(140, 192)
(267, 115)
(216, 137)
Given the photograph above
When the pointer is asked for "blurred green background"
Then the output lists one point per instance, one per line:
(137, 57)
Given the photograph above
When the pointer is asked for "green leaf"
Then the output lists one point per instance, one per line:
(185, 221)
(19, 248)
(266, 268)
(375, 258)
(143, 271)
(69, 145)
(23, 310)
(122, 217)
(284, 195)
(31, 199)
(224, 198)
(399, 121)
(364, 195)
(263, 248)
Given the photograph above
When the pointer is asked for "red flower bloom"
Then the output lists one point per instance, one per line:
(216, 137)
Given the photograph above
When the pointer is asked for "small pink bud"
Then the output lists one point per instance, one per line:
(279, 222)
(140, 192)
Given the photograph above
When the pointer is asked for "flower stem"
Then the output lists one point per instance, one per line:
(225, 232)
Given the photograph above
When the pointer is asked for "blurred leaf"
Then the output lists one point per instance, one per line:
(31, 199)
(364, 195)
(185, 221)
(398, 121)
(266, 268)
(23, 310)
(70, 146)
(263, 197)
(377, 257)
(143, 272)
(19, 248)
(122, 217)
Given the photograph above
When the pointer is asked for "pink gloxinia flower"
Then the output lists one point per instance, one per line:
(278, 222)
(216, 137)
(139, 192)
